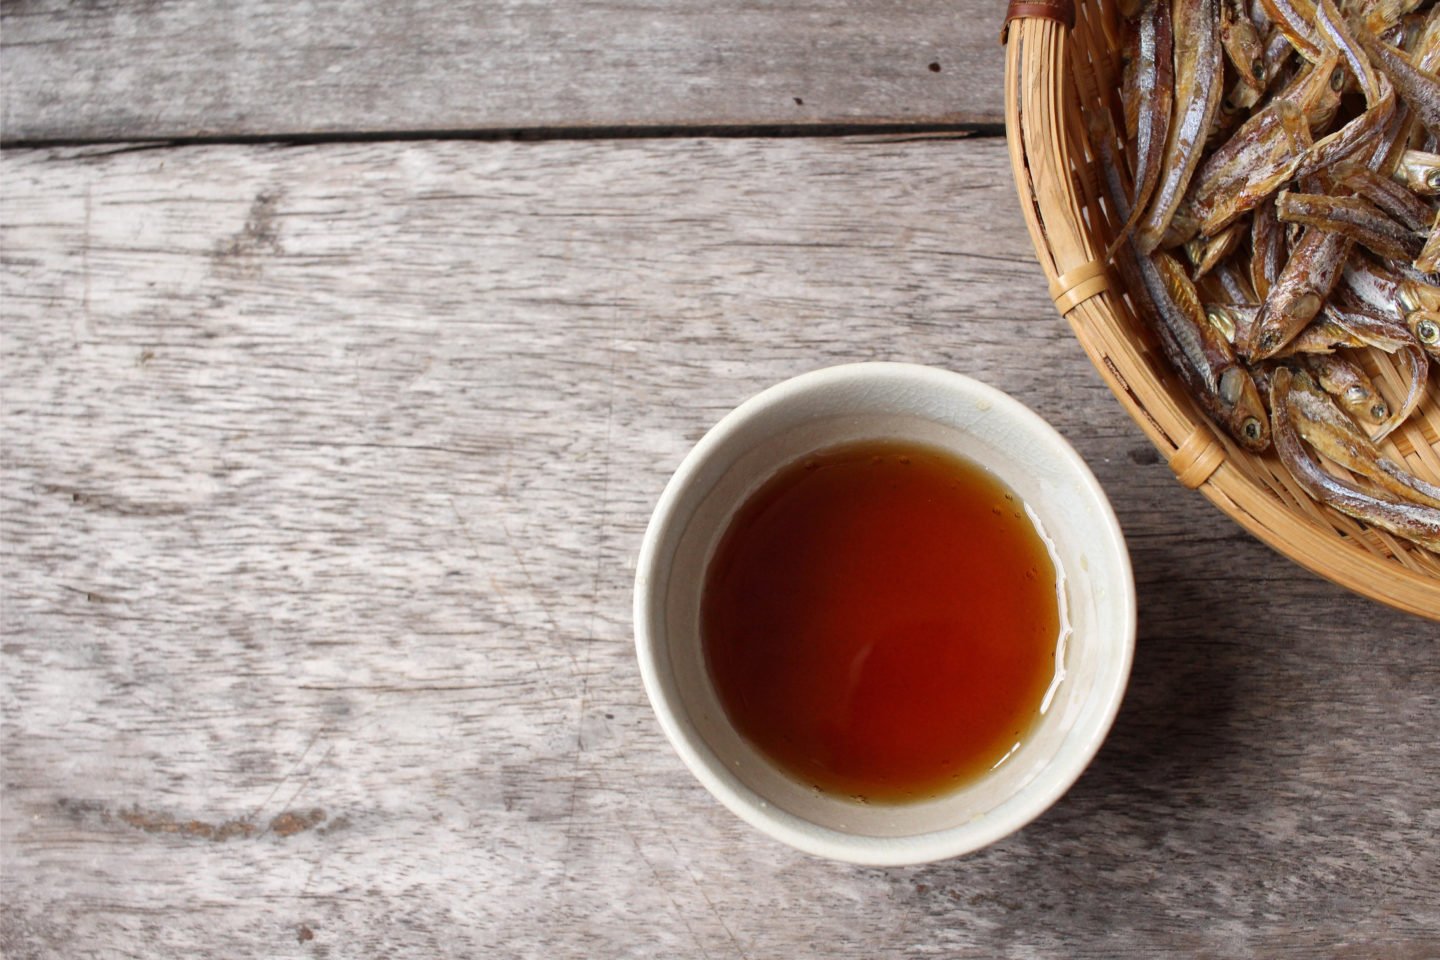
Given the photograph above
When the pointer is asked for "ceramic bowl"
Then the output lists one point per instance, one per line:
(871, 401)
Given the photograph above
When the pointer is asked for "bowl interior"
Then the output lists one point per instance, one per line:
(874, 401)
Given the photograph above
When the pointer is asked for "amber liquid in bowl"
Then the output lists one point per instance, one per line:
(881, 621)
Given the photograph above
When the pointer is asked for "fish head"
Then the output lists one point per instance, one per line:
(1245, 416)
(1277, 323)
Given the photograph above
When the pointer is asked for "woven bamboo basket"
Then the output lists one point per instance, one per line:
(1064, 60)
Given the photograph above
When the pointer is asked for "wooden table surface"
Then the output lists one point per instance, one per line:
(345, 350)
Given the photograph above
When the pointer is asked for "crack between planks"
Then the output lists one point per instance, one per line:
(900, 131)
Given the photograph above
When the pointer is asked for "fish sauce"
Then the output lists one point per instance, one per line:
(881, 621)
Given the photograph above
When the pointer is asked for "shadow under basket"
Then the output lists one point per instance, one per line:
(1062, 61)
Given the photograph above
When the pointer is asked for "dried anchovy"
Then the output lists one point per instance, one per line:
(1242, 43)
(1420, 171)
(1392, 197)
(1200, 354)
(1267, 248)
(1295, 21)
(1353, 217)
(1351, 387)
(1199, 75)
(1418, 89)
(1253, 163)
(1297, 296)
(1154, 84)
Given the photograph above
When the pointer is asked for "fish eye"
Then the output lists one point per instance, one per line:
(1355, 394)
(1250, 428)
(1337, 79)
(1379, 411)
(1432, 179)
(1257, 68)
(1428, 331)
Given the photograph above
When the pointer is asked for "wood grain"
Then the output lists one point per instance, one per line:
(187, 68)
(324, 471)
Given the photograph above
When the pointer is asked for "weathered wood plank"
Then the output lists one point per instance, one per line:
(182, 68)
(324, 470)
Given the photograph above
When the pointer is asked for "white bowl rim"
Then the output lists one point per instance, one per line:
(811, 838)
